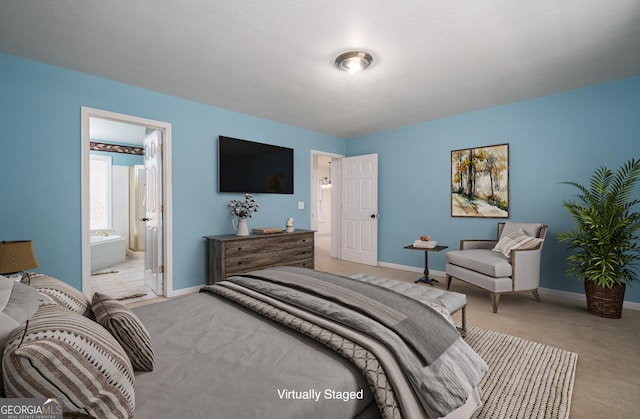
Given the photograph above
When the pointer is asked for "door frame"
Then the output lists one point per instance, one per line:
(336, 203)
(85, 114)
(313, 198)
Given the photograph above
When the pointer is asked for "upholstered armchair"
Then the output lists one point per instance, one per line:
(510, 263)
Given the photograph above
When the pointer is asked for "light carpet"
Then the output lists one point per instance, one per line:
(525, 379)
(111, 284)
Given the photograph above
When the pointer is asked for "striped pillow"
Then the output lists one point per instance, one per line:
(517, 240)
(61, 354)
(61, 293)
(127, 328)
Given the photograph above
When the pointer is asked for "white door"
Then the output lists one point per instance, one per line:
(359, 196)
(153, 269)
(137, 211)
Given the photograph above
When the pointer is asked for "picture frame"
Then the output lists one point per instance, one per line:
(480, 182)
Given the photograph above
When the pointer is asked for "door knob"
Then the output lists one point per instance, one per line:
(146, 219)
(373, 216)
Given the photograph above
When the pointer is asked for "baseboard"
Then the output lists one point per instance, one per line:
(581, 297)
(576, 296)
(184, 291)
(543, 291)
(402, 267)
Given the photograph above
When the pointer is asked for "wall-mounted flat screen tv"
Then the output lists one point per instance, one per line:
(250, 167)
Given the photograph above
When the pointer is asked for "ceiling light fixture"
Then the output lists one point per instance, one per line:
(354, 61)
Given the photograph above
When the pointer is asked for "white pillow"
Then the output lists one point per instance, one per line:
(12, 277)
(516, 240)
(18, 303)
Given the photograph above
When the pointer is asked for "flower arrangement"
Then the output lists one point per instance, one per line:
(244, 209)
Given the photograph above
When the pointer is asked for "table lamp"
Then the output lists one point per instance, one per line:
(17, 256)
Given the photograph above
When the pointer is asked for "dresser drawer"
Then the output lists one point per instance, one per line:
(277, 243)
(271, 256)
(230, 255)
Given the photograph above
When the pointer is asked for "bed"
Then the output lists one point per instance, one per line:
(290, 342)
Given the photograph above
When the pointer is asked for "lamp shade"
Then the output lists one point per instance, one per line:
(17, 256)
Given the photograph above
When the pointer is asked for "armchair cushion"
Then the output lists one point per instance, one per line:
(516, 240)
(484, 261)
(501, 284)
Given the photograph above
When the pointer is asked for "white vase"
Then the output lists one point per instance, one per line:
(241, 229)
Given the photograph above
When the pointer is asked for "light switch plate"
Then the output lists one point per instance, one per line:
(300, 204)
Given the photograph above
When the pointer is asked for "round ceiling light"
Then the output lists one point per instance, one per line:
(354, 61)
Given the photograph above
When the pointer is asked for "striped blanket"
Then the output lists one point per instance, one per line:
(429, 369)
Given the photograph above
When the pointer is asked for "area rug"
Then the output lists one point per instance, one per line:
(525, 379)
(111, 284)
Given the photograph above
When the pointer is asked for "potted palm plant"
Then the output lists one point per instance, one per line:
(604, 238)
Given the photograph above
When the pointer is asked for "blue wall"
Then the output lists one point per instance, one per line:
(562, 137)
(552, 139)
(40, 164)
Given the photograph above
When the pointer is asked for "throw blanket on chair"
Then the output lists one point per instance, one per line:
(440, 368)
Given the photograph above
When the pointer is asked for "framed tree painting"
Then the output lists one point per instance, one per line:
(480, 182)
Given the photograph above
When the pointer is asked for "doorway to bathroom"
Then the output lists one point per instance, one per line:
(126, 228)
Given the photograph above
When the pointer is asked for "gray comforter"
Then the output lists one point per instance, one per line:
(215, 359)
(437, 367)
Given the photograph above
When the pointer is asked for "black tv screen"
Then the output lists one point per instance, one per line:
(250, 167)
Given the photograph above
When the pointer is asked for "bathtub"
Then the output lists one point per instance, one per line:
(107, 251)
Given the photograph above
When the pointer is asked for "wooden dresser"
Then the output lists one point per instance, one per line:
(229, 254)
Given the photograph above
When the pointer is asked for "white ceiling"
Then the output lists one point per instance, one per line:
(274, 59)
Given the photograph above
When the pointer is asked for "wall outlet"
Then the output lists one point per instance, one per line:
(300, 204)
